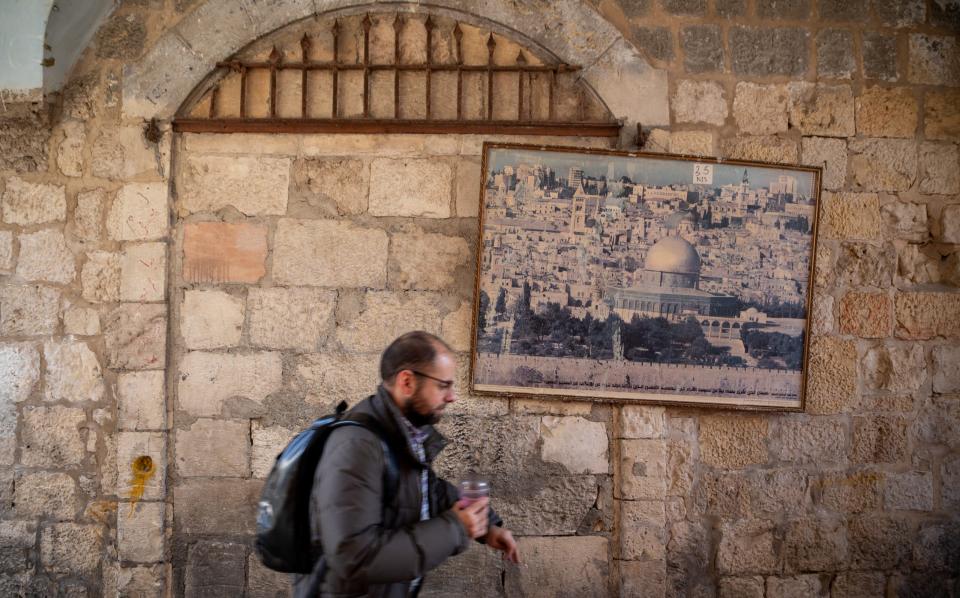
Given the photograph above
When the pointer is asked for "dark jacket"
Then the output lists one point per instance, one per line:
(372, 548)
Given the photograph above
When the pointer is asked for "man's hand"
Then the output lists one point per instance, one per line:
(502, 539)
(473, 517)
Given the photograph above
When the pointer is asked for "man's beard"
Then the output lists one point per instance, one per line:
(415, 417)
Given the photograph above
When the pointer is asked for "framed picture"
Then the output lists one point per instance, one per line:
(645, 278)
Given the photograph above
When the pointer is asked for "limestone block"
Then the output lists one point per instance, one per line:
(212, 569)
(822, 318)
(746, 546)
(343, 184)
(950, 483)
(550, 407)
(576, 443)
(938, 422)
(946, 375)
(644, 534)
(100, 277)
(71, 548)
(290, 318)
(850, 216)
(88, 217)
(140, 533)
(896, 368)
(136, 336)
(643, 579)
(918, 266)
(879, 439)
(26, 203)
(936, 546)
(761, 148)
(906, 220)
(81, 321)
(641, 422)
(391, 145)
(386, 316)
(500, 447)
(45, 257)
(877, 541)
(864, 264)
(806, 440)
(699, 101)
(835, 57)
(909, 491)
(139, 212)
(795, 587)
(926, 315)
(329, 253)
(829, 154)
(941, 115)
(51, 437)
(148, 90)
(576, 565)
(208, 380)
(143, 272)
(211, 319)
(469, 180)
(779, 491)
(643, 466)
(939, 169)
(883, 164)
(332, 377)
(760, 109)
(6, 252)
(256, 186)
(123, 153)
(887, 112)
(867, 315)
(427, 261)
(733, 441)
(950, 224)
(724, 494)
(411, 187)
(741, 587)
(140, 400)
(267, 583)
(214, 448)
(28, 310)
(19, 373)
(267, 442)
(815, 545)
(826, 110)
(73, 372)
(851, 493)
(233, 512)
(692, 143)
(19, 539)
(934, 60)
(572, 504)
(141, 466)
(70, 149)
(217, 252)
(46, 494)
(457, 326)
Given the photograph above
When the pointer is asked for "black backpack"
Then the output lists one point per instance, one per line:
(283, 513)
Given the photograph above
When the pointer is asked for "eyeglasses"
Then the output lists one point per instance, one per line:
(443, 384)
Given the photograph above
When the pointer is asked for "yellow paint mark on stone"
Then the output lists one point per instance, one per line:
(143, 469)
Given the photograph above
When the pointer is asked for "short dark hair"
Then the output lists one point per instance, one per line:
(411, 351)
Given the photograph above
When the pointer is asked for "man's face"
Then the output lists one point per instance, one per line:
(434, 389)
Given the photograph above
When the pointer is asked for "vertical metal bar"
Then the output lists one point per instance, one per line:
(458, 36)
(243, 92)
(491, 46)
(274, 61)
(397, 27)
(304, 56)
(336, 62)
(521, 61)
(429, 26)
(215, 102)
(552, 84)
(366, 22)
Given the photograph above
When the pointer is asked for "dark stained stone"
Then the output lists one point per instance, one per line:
(702, 48)
(762, 52)
(835, 57)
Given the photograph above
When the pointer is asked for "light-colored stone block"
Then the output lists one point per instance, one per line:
(879, 439)
(692, 143)
(267, 443)
(909, 491)
(746, 547)
(385, 316)
(941, 115)
(73, 372)
(70, 149)
(645, 579)
(207, 380)
(762, 148)
(139, 213)
(143, 582)
(26, 203)
(576, 443)
(214, 448)
(234, 511)
(136, 336)
(469, 179)
(883, 164)
(143, 272)
(927, 315)
(46, 494)
(887, 112)
(217, 252)
(141, 466)
(81, 321)
(290, 318)
(123, 153)
(817, 439)
(140, 398)
(939, 169)
(906, 220)
(256, 186)
(829, 154)
(852, 216)
(28, 310)
(699, 102)
(100, 277)
(411, 187)
(577, 565)
(50, 437)
(88, 217)
(71, 548)
(760, 109)
(868, 315)
(19, 373)
(644, 533)
(342, 184)
(330, 377)
(643, 466)
(140, 532)
(6, 251)
(946, 374)
(733, 441)
(822, 109)
(211, 319)
(641, 422)
(457, 327)
(45, 257)
(950, 224)
(329, 253)
(426, 261)
(896, 368)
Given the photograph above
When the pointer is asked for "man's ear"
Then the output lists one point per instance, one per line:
(405, 383)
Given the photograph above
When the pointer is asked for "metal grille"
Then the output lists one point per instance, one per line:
(589, 120)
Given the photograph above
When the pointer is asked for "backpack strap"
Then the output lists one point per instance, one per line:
(391, 472)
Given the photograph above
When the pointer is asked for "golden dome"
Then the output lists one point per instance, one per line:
(673, 254)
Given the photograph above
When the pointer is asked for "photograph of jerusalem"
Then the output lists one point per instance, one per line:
(643, 278)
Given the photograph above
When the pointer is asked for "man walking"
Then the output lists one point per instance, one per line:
(380, 541)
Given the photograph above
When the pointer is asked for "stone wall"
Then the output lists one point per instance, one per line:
(173, 307)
